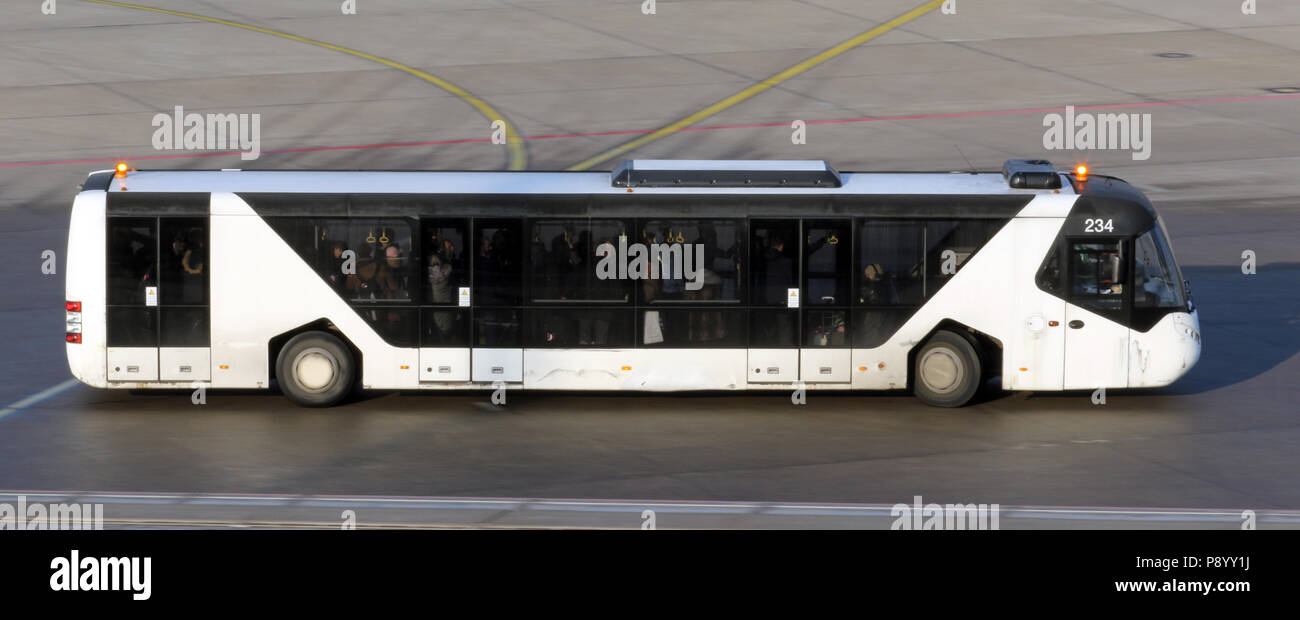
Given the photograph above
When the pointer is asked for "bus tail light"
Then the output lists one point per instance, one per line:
(73, 331)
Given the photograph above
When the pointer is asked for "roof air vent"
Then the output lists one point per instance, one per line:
(1031, 174)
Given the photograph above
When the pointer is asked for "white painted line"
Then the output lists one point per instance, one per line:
(38, 397)
(453, 505)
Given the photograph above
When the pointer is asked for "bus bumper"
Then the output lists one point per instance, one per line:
(1167, 351)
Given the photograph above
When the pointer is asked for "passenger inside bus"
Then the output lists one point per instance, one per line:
(877, 288)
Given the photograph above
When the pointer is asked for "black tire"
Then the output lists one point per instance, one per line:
(315, 369)
(947, 371)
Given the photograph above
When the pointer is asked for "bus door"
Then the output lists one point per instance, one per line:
(157, 296)
(1096, 340)
(496, 295)
(445, 303)
(825, 343)
(773, 355)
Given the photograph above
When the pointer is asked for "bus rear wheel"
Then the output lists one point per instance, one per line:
(315, 369)
(947, 371)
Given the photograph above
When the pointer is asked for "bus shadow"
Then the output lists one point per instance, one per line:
(1249, 324)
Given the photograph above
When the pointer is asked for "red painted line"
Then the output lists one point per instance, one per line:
(626, 132)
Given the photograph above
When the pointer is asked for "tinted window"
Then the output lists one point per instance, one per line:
(692, 328)
(871, 328)
(398, 326)
(891, 263)
(774, 329)
(950, 244)
(827, 262)
(826, 329)
(496, 328)
(183, 263)
(572, 328)
(1155, 283)
(446, 260)
(710, 254)
(184, 326)
(1097, 272)
(132, 259)
(498, 269)
(774, 260)
(383, 261)
(444, 328)
(132, 326)
(1049, 275)
(563, 260)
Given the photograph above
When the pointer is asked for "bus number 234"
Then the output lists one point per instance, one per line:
(1098, 225)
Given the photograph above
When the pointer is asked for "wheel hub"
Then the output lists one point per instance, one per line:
(941, 370)
(315, 369)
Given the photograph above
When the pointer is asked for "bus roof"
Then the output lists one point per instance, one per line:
(529, 182)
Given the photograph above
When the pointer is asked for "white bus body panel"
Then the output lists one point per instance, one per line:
(577, 369)
(1096, 355)
(444, 365)
(132, 363)
(633, 369)
(251, 262)
(995, 293)
(1034, 344)
(184, 364)
(688, 369)
(1159, 356)
(773, 366)
(825, 365)
(491, 365)
(85, 281)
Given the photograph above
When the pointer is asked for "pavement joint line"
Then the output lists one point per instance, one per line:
(42, 395)
(504, 506)
(518, 155)
(760, 87)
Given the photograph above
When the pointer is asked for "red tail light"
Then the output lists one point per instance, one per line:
(73, 332)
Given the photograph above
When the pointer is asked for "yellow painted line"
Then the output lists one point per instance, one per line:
(518, 155)
(761, 86)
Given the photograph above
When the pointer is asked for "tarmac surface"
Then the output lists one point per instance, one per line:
(577, 79)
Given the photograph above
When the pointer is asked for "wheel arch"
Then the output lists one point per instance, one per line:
(276, 344)
(987, 347)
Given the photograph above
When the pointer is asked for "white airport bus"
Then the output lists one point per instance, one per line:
(659, 276)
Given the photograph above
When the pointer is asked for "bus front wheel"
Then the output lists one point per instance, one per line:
(315, 369)
(947, 371)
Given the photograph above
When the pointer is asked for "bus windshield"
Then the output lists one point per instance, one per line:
(1158, 283)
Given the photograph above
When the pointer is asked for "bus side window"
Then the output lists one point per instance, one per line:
(950, 244)
(498, 268)
(446, 258)
(892, 263)
(1097, 275)
(132, 259)
(383, 265)
(827, 262)
(1049, 276)
(716, 243)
